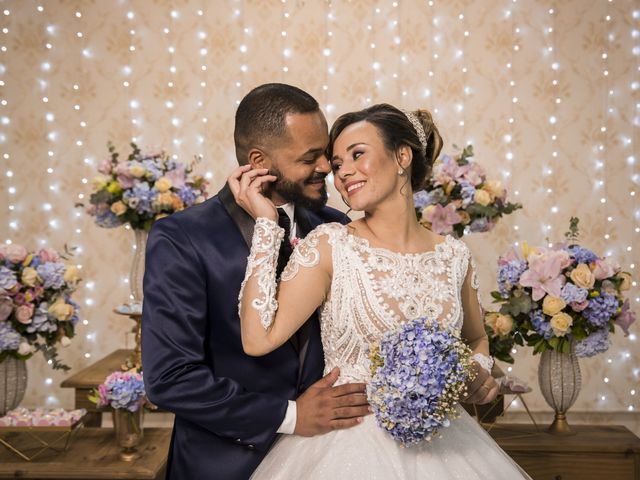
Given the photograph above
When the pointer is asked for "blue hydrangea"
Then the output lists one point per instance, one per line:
(41, 321)
(418, 374)
(108, 219)
(467, 192)
(123, 390)
(187, 195)
(8, 278)
(52, 274)
(572, 293)
(154, 171)
(540, 324)
(76, 309)
(9, 339)
(140, 197)
(581, 254)
(509, 275)
(594, 344)
(480, 224)
(422, 198)
(600, 309)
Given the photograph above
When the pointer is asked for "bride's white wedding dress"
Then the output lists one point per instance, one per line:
(373, 290)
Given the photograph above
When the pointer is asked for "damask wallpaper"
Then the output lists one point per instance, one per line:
(546, 91)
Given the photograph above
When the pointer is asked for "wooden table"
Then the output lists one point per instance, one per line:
(89, 378)
(596, 452)
(93, 454)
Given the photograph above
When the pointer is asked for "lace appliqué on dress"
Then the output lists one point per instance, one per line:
(262, 263)
(305, 254)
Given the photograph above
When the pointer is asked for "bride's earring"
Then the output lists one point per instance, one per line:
(400, 171)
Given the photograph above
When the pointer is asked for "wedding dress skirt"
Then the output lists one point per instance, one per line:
(464, 451)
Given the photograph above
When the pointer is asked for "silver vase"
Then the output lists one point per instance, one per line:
(137, 266)
(13, 383)
(560, 381)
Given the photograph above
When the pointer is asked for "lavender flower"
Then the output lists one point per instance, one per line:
(594, 344)
(509, 275)
(581, 254)
(418, 376)
(421, 199)
(480, 224)
(467, 191)
(52, 274)
(540, 324)
(41, 322)
(601, 309)
(9, 338)
(187, 195)
(8, 278)
(571, 293)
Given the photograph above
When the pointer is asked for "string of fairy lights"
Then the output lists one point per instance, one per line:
(382, 23)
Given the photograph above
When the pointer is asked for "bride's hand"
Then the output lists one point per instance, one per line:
(246, 185)
(483, 388)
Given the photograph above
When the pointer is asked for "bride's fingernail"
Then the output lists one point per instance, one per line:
(360, 419)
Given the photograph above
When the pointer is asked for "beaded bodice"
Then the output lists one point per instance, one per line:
(374, 289)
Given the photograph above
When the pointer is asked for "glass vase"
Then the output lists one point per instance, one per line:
(137, 266)
(13, 383)
(129, 432)
(560, 381)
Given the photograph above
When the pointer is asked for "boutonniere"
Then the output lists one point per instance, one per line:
(295, 241)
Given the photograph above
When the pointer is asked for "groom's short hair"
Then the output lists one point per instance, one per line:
(260, 118)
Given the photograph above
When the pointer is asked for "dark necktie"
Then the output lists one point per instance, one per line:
(285, 247)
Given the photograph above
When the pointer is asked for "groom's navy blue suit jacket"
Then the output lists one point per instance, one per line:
(228, 405)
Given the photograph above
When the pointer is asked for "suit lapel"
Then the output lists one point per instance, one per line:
(241, 218)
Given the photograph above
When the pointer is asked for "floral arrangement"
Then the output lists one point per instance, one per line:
(36, 309)
(121, 390)
(459, 199)
(553, 297)
(419, 374)
(142, 189)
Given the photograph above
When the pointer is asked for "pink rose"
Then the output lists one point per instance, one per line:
(49, 255)
(24, 313)
(604, 269)
(19, 298)
(177, 176)
(579, 306)
(6, 307)
(123, 175)
(14, 253)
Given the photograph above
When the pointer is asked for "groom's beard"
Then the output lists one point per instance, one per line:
(294, 191)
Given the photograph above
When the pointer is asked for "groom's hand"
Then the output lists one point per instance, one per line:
(323, 407)
(483, 389)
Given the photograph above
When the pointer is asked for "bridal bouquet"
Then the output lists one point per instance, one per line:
(121, 390)
(419, 374)
(142, 189)
(551, 297)
(36, 309)
(459, 199)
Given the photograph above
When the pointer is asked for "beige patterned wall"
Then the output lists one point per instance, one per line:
(494, 72)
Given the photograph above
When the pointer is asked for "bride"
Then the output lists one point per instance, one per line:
(367, 277)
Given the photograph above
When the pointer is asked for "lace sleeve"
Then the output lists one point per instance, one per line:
(473, 324)
(270, 312)
(263, 259)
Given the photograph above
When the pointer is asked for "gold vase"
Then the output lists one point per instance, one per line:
(560, 381)
(129, 432)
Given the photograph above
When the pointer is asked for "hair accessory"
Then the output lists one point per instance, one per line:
(422, 136)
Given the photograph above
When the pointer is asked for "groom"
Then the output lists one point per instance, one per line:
(229, 407)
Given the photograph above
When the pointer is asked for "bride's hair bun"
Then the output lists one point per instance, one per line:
(397, 130)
